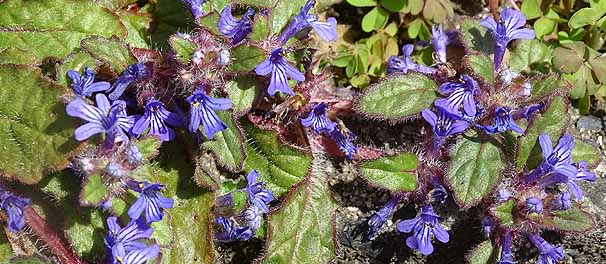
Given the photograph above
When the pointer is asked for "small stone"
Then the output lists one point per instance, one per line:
(589, 123)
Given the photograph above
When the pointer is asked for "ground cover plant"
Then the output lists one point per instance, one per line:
(214, 131)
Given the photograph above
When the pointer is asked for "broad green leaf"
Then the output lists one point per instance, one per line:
(211, 22)
(375, 19)
(546, 25)
(573, 219)
(261, 28)
(529, 55)
(113, 51)
(582, 82)
(504, 212)
(553, 122)
(137, 25)
(207, 174)
(531, 9)
(148, 146)
(587, 152)
(438, 10)
(50, 28)
(393, 5)
(416, 6)
(6, 252)
(399, 96)
(545, 85)
(170, 17)
(483, 253)
(246, 58)
(475, 169)
(414, 28)
(36, 135)
(75, 61)
(279, 166)
(17, 56)
(480, 65)
(184, 48)
(395, 173)
(227, 146)
(94, 191)
(115, 4)
(569, 57)
(242, 92)
(285, 10)
(85, 229)
(362, 3)
(476, 37)
(585, 16)
(264, 4)
(302, 230)
(598, 66)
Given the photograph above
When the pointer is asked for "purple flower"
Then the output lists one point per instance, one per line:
(257, 194)
(527, 112)
(549, 253)
(203, 109)
(318, 119)
(326, 30)
(376, 221)
(236, 29)
(280, 70)
(134, 256)
(195, 7)
(252, 216)
(487, 226)
(13, 206)
(425, 224)
(506, 247)
(439, 193)
(157, 116)
(108, 119)
(133, 155)
(503, 122)
(557, 160)
(509, 28)
(503, 195)
(562, 202)
(231, 232)
(460, 93)
(534, 205)
(439, 40)
(344, 142)
(443, 125)
(114, 169)
(405, 64)
(582, 174)
(133, 72)
(84, 85)
(150, 200)
(119, 241)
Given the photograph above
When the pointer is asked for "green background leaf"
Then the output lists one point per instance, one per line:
(228, 145)
(395, 173)
(246, 58)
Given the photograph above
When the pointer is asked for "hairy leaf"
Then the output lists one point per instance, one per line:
(302, 230)
(137, 25)
(475, 168)
(483, 253)
(585, 151)
(573, 219)
(210, 22)
(545, 85)
(398, 97)
(504, 212)
(36, 135)
(242, 92)
(480, 65)
(261, 28)
(395, 173)
(85, 229)
(170, 17)
(279, 166)
(113, 51)
(17, 56)
(285, 11)
(228, 145)
(553, 122)
(148, 146)
(246, 58)
(476, 37)
(184, 48)
(94, 191)
(530, 55)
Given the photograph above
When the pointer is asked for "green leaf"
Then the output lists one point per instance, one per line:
(207, 174)
(17, 56)
(475, 169)
(6, 252)
(113, 51)
(582, 82)
(211, 22)
(115, 4)
(75, 61)
(547, 84)
(375, 19)
(414, 28)
(94, 191)
(504, 212)
(50, 28)
(36, 135)
(483, 253)
(137, 25)
(228, 145)
(170, 18)
(598, 66)
(184, 48)
(85, 229)
(480, 65)
(362, 3)
(242, 92)
(279, 166)
(530, 55)
(476, 37)
(531, 9)
(416, 6)
(148, 146)
(246, 58)
(393, 5)
(260, 29)
(438, 10)
(573, 220)
(287, 9)
(585, 16)
(398, 97)
(553, 122)
(395, 173)
(302, 230)
(262, 4)
(587, 152)
(569, 57)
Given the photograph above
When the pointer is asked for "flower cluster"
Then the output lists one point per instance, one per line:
(319, 122)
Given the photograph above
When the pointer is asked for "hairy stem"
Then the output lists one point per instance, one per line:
(65, 254)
